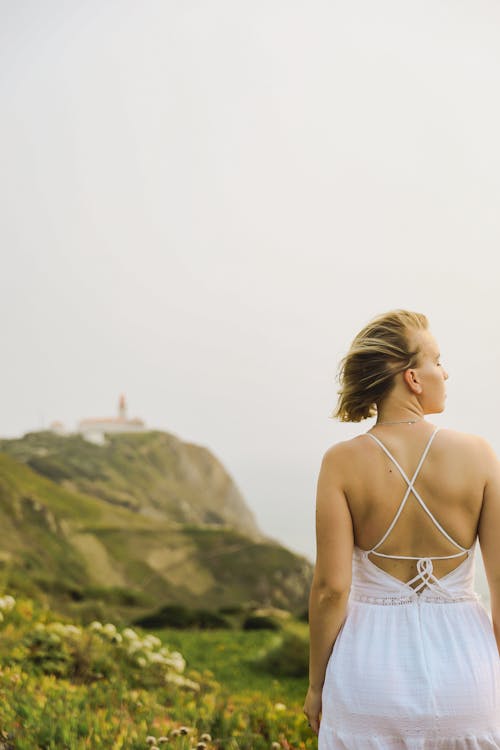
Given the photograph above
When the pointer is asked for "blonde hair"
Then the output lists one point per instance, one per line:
(380, 351)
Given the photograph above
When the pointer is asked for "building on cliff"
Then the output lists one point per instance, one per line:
(94, 429)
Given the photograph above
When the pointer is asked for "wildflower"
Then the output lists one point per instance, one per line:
(276, 746)
(7, 602)
(201, 746)
(155, 658)
(184, 730)
(162, 740)
(205, 737)
(129, 634)
(152, 640)
(175, 732)
(95, 625)
(280, 706)
(150, 740)
(109, 629)
(133, 646)
(176, 679)
(141, 661)
(174, 659)
(73, 630)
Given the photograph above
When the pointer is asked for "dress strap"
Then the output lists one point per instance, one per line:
(412, 489)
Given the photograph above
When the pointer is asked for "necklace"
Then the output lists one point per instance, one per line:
(401, 421)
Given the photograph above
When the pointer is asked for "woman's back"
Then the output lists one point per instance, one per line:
(450, 482)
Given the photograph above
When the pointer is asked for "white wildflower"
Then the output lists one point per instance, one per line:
(95, 625)
(65, 631)
(153, 640)
(155, 657)
(129, 634)
(133, 646)
(176, 679)
(176, 661)
(7, 602)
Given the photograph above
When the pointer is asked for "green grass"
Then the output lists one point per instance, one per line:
(232, 656)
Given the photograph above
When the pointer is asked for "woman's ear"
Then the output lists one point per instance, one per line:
(411, 379)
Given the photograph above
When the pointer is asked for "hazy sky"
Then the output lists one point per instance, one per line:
(203, 202)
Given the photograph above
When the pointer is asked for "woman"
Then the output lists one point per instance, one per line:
(403, 655)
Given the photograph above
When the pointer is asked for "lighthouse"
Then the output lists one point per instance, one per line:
(94, 429)
(122, 407)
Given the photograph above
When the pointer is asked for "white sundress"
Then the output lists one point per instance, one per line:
(409, 670)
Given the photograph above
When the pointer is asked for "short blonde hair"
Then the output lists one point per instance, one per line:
(380, 351)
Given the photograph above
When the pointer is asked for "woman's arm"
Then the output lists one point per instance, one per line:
(489, 533)
(332, 573)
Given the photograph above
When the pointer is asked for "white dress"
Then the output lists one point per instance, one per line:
(409, 670)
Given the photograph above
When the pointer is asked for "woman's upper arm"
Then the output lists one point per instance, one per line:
(489, 522)
(334, 532)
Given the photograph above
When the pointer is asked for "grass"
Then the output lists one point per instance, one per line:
(232, 657)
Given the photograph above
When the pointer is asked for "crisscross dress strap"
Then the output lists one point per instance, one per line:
(412, 489)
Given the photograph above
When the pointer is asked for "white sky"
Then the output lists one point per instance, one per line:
(203, 202)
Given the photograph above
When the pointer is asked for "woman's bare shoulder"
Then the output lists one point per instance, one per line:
(448, 438)
(344, 452)
(465, 440)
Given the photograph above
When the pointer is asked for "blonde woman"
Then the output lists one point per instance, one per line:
(403, 655)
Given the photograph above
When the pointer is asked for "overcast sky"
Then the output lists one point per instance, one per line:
(203, 202)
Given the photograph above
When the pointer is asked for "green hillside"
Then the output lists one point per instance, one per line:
(153, 473)
(80, 532)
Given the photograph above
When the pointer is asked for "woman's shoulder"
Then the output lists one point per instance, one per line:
(467, 441)
(448, 439)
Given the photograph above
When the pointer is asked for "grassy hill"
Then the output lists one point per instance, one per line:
(121, 529)
(153, 473)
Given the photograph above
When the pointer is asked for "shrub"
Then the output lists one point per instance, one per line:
(260, 622)
(232, 609)
(207, 619)
(178, 616)
(303, 616)
(168, 616)
(290, 658)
